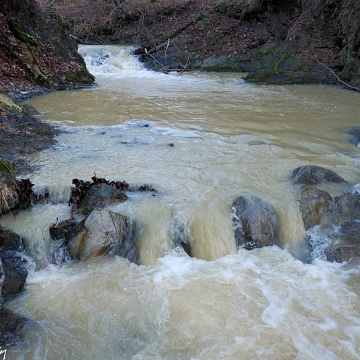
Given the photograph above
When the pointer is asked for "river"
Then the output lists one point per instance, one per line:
(201, 139)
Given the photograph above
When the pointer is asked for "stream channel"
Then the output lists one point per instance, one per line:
(201, 139)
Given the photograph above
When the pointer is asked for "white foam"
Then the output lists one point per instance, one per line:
(111, 60)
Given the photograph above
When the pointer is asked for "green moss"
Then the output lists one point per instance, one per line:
(21, 35)
(82, 75)
(6, 166)
(283, 58)
(9, 104)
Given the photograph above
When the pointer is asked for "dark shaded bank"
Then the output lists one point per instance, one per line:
(37, 49)
(37, 55)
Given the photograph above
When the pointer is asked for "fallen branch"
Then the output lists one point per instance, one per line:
(337, 77)
(156, 62)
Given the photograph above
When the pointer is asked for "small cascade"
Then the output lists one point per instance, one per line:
(110, 60)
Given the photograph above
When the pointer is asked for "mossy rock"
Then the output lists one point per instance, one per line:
(6, 166)
(9, 104)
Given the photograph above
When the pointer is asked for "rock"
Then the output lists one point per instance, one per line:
(98, 196)
(336, 243)
(59, 252)
(316, 206)
(254, 222)
(2, 276)
(11, 328)
(312, 174)
(347, 208)
(181, 236)
(13, 275)
(10, 241)
(104, 232)
(14, 267)
(8, 195)
(64, 230)
(346, 242)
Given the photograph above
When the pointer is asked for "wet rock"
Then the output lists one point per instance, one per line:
(99, 196)
(254, 222)
(11, 328)
(10, 241)
(8, 195)
(336, 243)
(104, 232)
(347, 208)
(64, 230)
(312, 174)
(59, 252)
(60, 234)
(346, 242)
(15, 271)
(316, 206)
(181, 236)
(2, 276)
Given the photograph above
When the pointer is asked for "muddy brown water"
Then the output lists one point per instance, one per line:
(228, 138)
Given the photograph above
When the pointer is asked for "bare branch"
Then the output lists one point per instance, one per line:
(337, 77)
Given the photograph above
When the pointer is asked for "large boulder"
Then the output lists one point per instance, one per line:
(104, 232)
(254, 222)
(313, 174)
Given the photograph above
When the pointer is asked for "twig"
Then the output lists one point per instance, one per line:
(165, 52)
(156, 62)
(187, 61)
(337, 77)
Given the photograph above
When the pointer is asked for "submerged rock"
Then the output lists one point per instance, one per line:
(312, 174)
(104, 232)
(254, 222)
(11, 328)
(354, 135)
